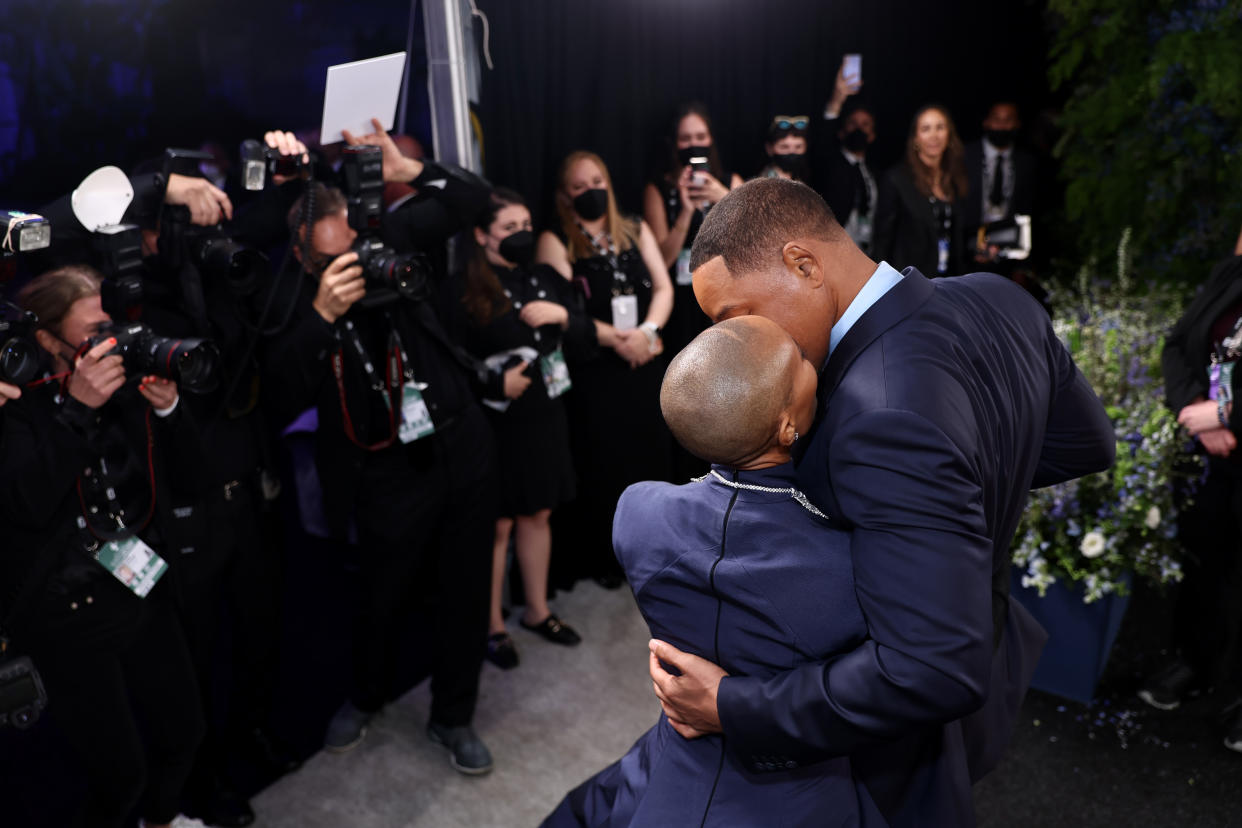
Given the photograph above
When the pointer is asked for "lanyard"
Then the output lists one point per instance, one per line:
(116, 512)
(1229, 348)
(397, 370)
(943, 212)
(621, 285)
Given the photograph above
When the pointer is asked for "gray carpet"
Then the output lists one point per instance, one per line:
(561, 715)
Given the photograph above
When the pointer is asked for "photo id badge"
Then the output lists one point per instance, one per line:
(684, 276)
(415, 418)
(625, 312)
(133, 563)
(942, 260)
(555, 373)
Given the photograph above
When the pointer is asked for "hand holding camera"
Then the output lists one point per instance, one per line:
(160, 392)
(207, 203)
(287, 145)
(397, 168)
(340, 286)
(97, 374)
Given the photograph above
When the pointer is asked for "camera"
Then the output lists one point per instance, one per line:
(19, 354)
(118, 256)
(1011, 237)
(194, 364)
(216, 256)
(260, 163)
(362, 180)
(22, 697)
(25, 232)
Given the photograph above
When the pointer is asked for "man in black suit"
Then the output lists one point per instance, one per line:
(942, 403)
(842, 174)
(1002, 176)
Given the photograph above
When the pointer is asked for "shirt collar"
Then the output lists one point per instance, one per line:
(880, 283)
(990, 151)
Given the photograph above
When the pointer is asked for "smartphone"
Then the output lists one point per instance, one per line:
(851, 69)
(698, 166)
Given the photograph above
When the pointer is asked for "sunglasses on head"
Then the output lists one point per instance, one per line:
(786, 123)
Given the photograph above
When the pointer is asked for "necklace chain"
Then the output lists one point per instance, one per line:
(796, 494)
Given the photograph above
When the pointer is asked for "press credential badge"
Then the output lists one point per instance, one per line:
(625, 312)
(555, 373)
(133, 563)
(415, 418)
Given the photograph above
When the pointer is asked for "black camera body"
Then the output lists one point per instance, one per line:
(22, 697)
(385, 270)
(19, 351)
(118, 256)
(216, 256)
(260, 164)
(194, 364)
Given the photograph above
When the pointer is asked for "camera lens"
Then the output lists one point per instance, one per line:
(192, 363)
(242, 267)
(19, 361)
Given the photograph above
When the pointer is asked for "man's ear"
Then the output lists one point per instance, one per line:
(47, 341)
(800, 260)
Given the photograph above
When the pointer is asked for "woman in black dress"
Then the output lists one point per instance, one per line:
(616, 431)
(917, 219)
(674, 205)
(521, 319)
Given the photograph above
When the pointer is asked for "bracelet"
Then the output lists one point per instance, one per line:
(652, 332)
(1220, 413)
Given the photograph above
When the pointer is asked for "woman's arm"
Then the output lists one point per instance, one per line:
(661, 285)
(552, 252)
(670, 240)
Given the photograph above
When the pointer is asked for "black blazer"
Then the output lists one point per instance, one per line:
(906, 232)
(1023, 199)
(833, 176)
(1184, 360)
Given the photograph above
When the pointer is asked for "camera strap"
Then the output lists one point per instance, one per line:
(115, 511)
(621, 285)
(388, 389)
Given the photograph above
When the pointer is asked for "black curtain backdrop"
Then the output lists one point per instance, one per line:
(607, 76)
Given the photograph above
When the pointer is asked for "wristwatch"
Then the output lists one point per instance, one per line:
(652, 332)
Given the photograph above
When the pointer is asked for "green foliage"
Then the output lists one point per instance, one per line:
(1153, 128)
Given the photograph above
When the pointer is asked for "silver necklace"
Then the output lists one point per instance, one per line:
(796, 494)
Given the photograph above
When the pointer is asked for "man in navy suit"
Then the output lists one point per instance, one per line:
(942, 404)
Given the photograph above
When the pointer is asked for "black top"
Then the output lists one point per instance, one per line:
(670, 194)
(598, 281)
(909, 225)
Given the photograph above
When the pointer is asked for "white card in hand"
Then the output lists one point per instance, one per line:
(359, 91)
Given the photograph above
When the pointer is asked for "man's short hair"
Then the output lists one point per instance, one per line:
(749, 227)
(325, 201)
(723, 394)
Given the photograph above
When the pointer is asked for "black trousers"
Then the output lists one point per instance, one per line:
(1208, 614)
(231, 582)
(434, 502)
(131, 713)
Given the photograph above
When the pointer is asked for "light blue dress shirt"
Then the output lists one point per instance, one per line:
(880, 283)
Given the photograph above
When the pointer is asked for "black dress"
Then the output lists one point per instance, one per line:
(536, 468)
(616, 430)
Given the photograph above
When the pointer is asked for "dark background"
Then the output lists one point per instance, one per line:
(90, 82)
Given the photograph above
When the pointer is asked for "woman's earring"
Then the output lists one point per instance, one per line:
(795, 436)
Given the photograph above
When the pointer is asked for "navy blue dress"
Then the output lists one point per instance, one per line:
(756, 583)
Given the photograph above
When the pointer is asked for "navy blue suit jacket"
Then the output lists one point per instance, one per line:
(940, 409)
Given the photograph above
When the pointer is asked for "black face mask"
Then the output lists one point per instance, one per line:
(693, 151)
(591, 204)
(792, 163)
(1001, 138)
(855, 141)
(518, 248)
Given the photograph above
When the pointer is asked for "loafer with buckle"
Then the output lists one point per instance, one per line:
(555, 630)
(501, 652)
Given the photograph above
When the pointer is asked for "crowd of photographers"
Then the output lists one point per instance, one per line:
(383, 342)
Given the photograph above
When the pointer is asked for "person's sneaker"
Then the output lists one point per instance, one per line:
(501, 652)
(1166, 689)
(1233, 726)
(467, 753)
(347, 729)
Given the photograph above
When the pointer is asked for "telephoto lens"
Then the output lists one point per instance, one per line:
(194, 364)
(384, 267)
(244, 269)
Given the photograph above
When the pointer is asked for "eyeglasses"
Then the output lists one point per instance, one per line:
(786, 123)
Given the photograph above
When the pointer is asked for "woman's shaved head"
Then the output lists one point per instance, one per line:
(724, 394)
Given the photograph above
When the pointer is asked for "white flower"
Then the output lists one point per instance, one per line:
(1153, 517)
(1092, 545)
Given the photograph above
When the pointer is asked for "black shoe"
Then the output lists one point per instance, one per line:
(1166, 689)
(271, 753)
(1233, 726)
(225, 808)
(554, 630)
(501, 652)
(467, 753)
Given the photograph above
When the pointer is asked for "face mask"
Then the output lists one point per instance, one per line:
(591, 204)
(1001, 138)
(855, 141)
(693, 151)
(792, 163)
(518, 248)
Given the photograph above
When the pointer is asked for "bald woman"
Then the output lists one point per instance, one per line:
(740, 568)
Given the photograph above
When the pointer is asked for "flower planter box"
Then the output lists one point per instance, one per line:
(1080, 636)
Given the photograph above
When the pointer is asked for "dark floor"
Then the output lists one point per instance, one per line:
(1117, 762)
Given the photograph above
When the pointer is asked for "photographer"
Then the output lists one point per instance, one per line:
(85, 455)
(402, 446)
